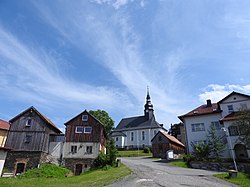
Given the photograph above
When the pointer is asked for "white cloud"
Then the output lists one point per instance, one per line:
(216, 92)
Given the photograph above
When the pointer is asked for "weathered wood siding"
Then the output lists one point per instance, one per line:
(39, 132)
(97, 134)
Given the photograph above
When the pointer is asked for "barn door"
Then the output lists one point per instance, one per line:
(20, 168)
(78, 169)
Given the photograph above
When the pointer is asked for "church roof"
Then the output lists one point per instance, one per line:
(138, 122)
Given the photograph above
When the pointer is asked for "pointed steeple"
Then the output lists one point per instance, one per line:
(148, 107)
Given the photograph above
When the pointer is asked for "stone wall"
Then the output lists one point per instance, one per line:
(218, 166)
(70, 163)
(31, 159)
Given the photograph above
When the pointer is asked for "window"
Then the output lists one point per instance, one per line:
(132, 136)
(116, 139)
(87, 130)
(143, 135)
(198, 127)
(89, 149)
(216, 125)
(230, 108)
(28, 138)
(73, 149)
(159, 138)
(85, 117)
(29, 122)
(233, 131)
(79, 129)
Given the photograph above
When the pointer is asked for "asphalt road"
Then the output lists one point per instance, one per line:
(155, 173)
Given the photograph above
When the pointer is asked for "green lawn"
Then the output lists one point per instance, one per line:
(242, 179)
(93, 178)
(132, 153)
(179, 163)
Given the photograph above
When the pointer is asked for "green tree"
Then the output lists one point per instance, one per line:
(111, 152)
(200, 150)
(104, 118)
(215, 143)
(243, 122)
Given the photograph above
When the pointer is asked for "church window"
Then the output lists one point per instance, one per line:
(132, 136)
(143, 135)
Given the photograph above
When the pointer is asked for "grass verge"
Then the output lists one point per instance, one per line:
(242, 179)
(132, 153)
(179, 163)
(94, 178)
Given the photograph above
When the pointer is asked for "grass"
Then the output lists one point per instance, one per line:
(242, 179)
(94, 178)
(179, 163)
(132, 153)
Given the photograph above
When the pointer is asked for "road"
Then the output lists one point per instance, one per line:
(157, 173)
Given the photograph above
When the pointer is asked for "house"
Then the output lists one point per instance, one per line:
(85, 137)
(29, 136)
(137, 132)
(163, 142)
(4, 127)
(178, 131)
(220, 115)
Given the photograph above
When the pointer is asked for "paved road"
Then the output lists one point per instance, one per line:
(153, 173)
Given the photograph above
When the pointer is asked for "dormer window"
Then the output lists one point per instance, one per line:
(29, 122)
(85, 117)
(87, 130)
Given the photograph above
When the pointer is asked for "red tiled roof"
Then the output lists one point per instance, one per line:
(202, 110)
(233, 116)
(172, 138)
(4, 125)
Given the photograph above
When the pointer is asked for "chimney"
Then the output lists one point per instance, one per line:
(209, 103)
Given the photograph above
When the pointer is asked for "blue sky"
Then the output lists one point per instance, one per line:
(65, 56)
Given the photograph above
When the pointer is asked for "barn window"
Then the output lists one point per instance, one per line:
(28, 138)
(84, 117)
(29, 122)
(79, 129)
(89, 149)
(73, 149)
(87, 130)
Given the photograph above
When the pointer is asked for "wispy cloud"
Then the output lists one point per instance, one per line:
(33, 75)
(216, 92)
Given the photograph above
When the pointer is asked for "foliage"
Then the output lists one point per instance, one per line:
(46, 171)
(101, 160)
(188, 158)
(104, 118)
(94, 178)
(242, 179)
(244, 126)
(146, 150)
(215, 144)
(201, 151)
(180, 163)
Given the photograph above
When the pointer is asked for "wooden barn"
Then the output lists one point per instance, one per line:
(163, 142)
(29, 136)
(85, 137)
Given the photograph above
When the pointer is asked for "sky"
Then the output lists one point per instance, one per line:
(64, 56)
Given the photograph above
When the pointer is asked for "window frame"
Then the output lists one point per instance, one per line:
(131, 136)
(78, 127)
(89, 149)
(213, 123)
(230, 108)
(87, 132)
(85, 117)
(28, 122)
(143, 135)
(195, 127)
(73, 149)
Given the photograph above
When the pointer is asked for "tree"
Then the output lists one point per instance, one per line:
(111, 152)
(243, 122)
(200, 150)
(104, 118)
(215, 143)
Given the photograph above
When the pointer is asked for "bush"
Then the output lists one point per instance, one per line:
(46, 171)
(101, 160)
(146, 150)
(200, 151)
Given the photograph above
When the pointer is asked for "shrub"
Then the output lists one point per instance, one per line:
(46, 171)
(101, 160)
(146, 150)
(201, 151)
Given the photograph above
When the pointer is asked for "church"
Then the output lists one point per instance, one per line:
(137, 132)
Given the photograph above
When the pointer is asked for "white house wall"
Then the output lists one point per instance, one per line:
(2, 160)
(81, 150)
(198, 135)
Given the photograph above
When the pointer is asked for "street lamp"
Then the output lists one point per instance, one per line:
(224, 129)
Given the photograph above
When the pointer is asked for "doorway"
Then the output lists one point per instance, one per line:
(240, 151)
(78, 169)
(20, 168)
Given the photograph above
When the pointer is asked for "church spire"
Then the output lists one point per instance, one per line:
(148, 107)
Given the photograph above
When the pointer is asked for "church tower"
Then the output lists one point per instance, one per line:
(148, 107)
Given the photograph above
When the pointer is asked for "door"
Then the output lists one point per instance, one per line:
(20, 168)
(78, 169)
